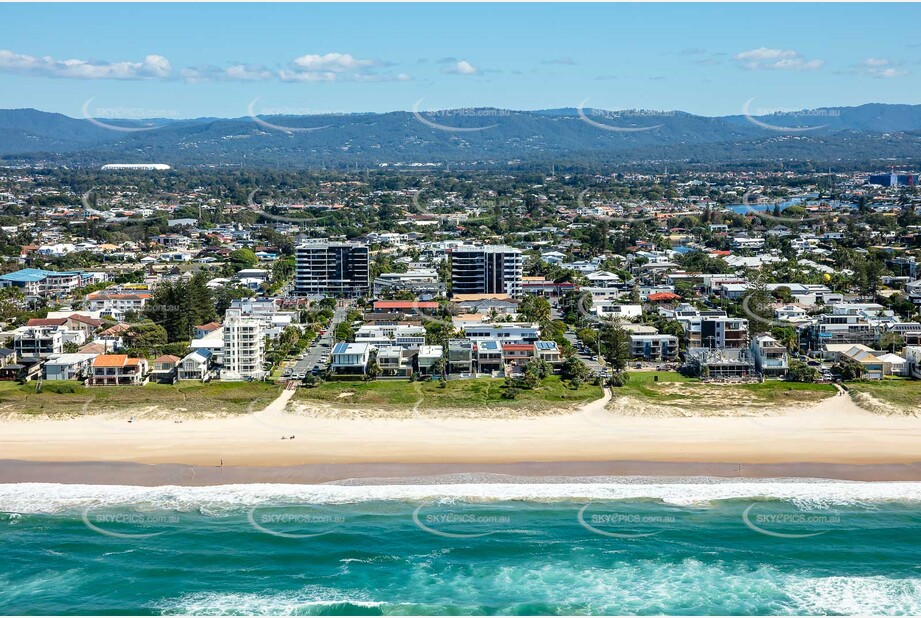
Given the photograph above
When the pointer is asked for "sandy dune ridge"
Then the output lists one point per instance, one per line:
(835, 430)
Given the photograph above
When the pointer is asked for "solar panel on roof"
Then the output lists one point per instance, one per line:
(340, 348)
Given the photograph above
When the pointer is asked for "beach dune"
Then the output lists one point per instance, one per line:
(834, 431)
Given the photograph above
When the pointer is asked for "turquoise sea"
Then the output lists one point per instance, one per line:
(561, 546)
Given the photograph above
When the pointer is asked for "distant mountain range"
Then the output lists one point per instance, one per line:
(482, 137)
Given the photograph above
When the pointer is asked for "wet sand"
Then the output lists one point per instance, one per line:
(127, 473)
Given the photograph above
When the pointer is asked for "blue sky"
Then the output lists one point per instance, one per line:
(190, 60)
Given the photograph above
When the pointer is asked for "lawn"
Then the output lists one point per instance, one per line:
(458, 394)
(901, 393)
(64, 399)
(678, 391)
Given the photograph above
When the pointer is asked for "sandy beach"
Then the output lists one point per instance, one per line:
(834, 431)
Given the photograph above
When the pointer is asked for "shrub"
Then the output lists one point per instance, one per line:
(62, 388)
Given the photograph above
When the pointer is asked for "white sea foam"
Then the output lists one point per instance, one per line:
(251, 604)
(855, 595)
(54, 497)
(635, 587)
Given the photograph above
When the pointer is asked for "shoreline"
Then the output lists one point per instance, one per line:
(154, 475)
(833, 438)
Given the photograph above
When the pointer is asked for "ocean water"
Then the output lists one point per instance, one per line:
(576, 546)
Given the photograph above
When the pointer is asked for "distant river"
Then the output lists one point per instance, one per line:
(742, 208)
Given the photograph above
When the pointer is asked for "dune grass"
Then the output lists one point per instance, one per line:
(63, 399)
(457, 394)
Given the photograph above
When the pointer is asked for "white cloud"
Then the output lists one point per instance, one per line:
(332, 62)
(881, 67)
(151, 67)
(778, 59)
(235, 72)
(329, 67)
(336, 66)
(461, 67)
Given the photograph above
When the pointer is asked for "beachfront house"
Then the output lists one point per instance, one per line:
(460, 356)
(164, 369)
(395, 362)
(549, 352)
(874, 368)
(195, 366)
(427, 358)
(350, 358)
(517, 355)
(654, 346)
(721, 364)
(68, 366)
(770, 356)
(118, 370)
(489, 356)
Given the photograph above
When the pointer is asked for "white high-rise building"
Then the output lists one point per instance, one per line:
(244, 347)
(491, 269)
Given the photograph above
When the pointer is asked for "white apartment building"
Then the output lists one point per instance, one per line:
(266, 311)
(117, 304)
(244, 348)
(39, 341)
(505, 332)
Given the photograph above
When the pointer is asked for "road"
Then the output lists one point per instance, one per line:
(316, 354)
(593, 366)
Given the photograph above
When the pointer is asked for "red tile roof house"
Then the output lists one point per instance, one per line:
(405, 306)
(205, 329)
(662, 297)
(517, 355)
(118, 370)
(47, 322)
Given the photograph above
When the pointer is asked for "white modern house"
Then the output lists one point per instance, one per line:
(504, 332)
(770, 356)
(428, 356)
(350, 358)
(68, 366)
